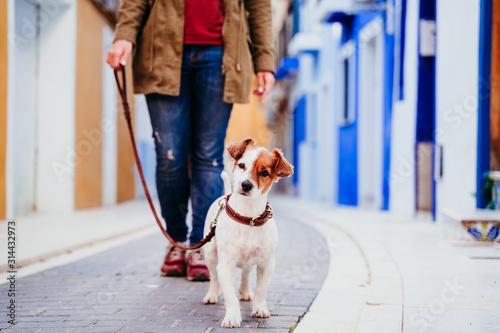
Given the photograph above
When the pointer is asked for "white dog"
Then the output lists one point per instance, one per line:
(246, 234)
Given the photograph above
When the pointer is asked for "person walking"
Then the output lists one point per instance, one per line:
(193, 59)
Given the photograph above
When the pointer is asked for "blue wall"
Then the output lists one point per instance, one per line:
(348, 152)
(483, 139)
(426, 97)
(348, 165)
(347, 136)
(426, 84)
(299, 130)
(388, 102)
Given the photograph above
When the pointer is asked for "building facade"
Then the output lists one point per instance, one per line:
(64, 142)
(62, 128)
(393, 104)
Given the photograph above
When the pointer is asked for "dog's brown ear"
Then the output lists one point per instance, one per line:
(237, 149)
(282, 168)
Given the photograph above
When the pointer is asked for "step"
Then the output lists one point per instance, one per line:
(474, 226)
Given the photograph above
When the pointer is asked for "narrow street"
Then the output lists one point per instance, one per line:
(121, 290)
(338, 270)
(382, 122)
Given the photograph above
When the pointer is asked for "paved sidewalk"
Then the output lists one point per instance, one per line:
(391, 273)
(338, 270)
(42, 236)
(120, 290)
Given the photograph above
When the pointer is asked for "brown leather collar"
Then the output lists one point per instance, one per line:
(252, 222)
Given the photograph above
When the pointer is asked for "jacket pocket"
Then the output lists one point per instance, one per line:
(250, 45)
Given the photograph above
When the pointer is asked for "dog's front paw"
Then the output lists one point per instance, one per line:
(246, 295)
(260, 312)
(210, 299)
(231, 321)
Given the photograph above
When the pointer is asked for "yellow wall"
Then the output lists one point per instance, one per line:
(249, 120)
(88, 105)
(3, 104)
(126, 166)
(88, 173)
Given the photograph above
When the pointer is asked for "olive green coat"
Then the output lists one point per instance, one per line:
(156, 28)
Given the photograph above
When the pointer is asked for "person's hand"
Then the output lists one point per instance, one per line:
(118, 54)
(265, 82)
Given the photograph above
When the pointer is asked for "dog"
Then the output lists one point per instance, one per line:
(235, 244)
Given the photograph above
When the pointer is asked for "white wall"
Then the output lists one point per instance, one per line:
(457, 100)
(146, 146)
(307, 15)
(403, 137)
(371, 114)
(316, 76)
(109, 125)
(305, 82)
(327, 128)
(25, 106)
(56, 157)
(54, 85)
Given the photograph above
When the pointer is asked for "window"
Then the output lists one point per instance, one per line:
(347, 83)
(345, 66)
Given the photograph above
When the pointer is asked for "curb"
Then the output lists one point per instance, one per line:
(363, 291)
(50, 255)
(65, 256)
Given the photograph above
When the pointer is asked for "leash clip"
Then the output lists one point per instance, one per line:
(222, 206)
(213, 225)
(252, 222)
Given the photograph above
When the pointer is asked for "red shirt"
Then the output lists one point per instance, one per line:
(203, 21)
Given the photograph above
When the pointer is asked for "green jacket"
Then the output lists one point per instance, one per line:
(156, 28)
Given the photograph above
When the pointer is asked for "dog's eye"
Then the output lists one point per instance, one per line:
(241, 165)
(264, 173)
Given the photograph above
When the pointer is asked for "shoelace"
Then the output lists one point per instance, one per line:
(175, 253)
(197, 257)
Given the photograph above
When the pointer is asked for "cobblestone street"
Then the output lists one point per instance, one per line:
(121, 290)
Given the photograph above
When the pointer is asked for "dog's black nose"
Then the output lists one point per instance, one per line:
(246, 186)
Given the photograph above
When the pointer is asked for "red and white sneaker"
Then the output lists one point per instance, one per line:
(174, 263)
(196, 268)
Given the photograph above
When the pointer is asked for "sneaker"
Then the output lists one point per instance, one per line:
(174, 264)
(196, 268)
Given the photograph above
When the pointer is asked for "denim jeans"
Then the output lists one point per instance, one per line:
(190, 127)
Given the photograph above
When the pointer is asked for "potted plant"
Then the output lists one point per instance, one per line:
(491, 189)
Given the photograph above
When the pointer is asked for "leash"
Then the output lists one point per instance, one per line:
(122, 89)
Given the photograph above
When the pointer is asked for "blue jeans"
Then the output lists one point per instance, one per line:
(190, 127)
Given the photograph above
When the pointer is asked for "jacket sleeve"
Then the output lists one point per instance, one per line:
(131, 19)
(260, 24)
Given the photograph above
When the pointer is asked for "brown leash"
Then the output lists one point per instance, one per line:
(122, 89)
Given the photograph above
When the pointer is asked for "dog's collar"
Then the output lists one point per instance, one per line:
(250, 221)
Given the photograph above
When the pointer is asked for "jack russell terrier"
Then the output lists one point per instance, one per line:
(246, 234)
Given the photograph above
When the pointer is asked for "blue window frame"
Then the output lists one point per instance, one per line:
(402, 42)
(348, 70)
(483, 133)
